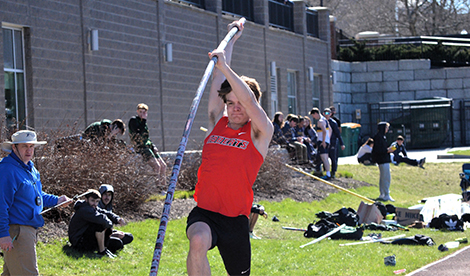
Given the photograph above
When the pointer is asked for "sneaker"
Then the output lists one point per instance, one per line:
(389, 198)
(326, 177)
(106, 253)
(253, 236)
(421, 163)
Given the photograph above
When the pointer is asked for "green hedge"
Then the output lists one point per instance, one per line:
(439, 54)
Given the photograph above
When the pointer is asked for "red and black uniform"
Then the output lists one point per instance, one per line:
(224, 194)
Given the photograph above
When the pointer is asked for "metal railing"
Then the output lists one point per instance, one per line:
(198, 3)
(312, 23)
(242, 8)
(281, 14)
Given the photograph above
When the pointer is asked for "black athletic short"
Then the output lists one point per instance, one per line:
(230, 235)
(321, 149)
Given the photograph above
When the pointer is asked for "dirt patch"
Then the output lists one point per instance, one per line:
(300, 188)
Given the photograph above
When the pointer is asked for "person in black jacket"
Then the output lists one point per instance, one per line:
(90, 228)
(381, 156)
(400, 155)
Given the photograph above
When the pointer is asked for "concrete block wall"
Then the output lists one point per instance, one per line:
(358, 84)
(67, 84)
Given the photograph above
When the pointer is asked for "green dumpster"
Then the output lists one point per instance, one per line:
(350, 134)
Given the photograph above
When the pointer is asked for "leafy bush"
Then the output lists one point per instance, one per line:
(439, 54)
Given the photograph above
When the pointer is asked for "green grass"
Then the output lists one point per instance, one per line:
(278, 252)
(460, 152)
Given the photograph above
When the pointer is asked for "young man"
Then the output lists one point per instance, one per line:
(106, 203)
(323, 131)
(238, 136)
(290, 132)
(399, 154)
(139, 134)
(335, 140)
(381, 156)
(90, 227)
(105, 128)
(21, 202)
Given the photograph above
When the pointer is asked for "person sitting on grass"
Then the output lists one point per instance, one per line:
(364, 154)
(256, 210)
(399, 154)
(106, 203)
(90, 228)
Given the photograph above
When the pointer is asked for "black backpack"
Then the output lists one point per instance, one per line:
(346, 216)
(447, 222)
(416, 240)
(324, 226)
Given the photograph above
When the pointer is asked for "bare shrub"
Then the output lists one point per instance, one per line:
(70, 165)
(273, 174)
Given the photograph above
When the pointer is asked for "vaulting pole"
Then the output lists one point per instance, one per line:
(179, 156)
(331, 184)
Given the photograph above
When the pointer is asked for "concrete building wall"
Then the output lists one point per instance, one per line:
(68, 84)
(359, 84)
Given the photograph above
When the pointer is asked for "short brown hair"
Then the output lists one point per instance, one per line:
(314, 110)
(142, 106)
(400, 138)
(119, 124)
(225, 88)
(93, 194)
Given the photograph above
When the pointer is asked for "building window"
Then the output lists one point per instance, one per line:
(13, 64)
(292, 91)
(316, 85)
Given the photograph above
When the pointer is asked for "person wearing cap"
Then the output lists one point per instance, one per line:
(106, 203)
(21, 202)
(139, 134)
(381, 156)
(400, 155)
(90, 228)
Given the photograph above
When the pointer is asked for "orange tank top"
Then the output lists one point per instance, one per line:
(230, 164)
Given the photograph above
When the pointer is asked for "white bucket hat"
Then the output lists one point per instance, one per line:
(22, 137)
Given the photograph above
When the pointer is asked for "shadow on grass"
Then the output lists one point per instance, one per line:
(76, 254)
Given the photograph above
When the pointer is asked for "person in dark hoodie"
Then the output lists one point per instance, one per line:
(106, 203)
(90, 227)
(381, 156)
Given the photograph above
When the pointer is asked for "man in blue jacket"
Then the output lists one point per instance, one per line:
(21, 202)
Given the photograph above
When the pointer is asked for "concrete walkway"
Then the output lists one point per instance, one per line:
(457, 262)
(438, 155)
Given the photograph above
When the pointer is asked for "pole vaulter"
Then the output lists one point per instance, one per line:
(179, 156)
(331, 184)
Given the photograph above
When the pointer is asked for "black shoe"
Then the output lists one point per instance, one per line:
(106, 253)
(421, 163)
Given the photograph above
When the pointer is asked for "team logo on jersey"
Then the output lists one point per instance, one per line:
(231, 142)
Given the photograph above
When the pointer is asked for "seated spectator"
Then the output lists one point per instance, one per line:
(140, 137)
(106, 203)
(278, 135)
(256, 210)
(399, 154)
(290, 133)
(310, 139)
(364, 154)
(90, 228)
(105, 128)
